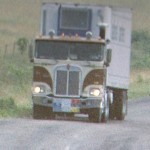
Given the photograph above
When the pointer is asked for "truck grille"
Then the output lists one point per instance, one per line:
(67, 81)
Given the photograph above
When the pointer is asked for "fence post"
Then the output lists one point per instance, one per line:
(14, 47)
(6, 46)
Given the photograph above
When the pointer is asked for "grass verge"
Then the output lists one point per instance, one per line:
(139, 86)
(8, 108)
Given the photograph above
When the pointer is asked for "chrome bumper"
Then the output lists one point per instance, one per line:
(72, 104)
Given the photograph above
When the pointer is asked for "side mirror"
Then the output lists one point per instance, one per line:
(108, 57)
(31, 53)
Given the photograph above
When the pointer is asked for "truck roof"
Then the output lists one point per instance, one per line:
(88, 4)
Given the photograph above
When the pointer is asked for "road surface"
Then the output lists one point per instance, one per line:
(29, 134)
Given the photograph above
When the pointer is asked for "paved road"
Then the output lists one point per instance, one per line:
(28, 134)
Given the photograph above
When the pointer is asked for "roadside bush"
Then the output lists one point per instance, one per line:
(22, 44)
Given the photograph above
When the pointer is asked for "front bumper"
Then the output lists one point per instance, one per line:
(74, 105)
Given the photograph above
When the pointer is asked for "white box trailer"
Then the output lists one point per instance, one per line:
(72, 19)
(82, 61)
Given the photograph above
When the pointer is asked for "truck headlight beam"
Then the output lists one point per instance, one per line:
(37, 90)
(95, 92)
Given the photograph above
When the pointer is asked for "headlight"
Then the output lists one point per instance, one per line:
(41, 88)
(38, 89)
(96, 92)
(93, 91)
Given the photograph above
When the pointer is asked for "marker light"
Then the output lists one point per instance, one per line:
(88, 35)
(51, 33)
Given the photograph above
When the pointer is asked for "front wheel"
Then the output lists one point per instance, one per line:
(105, 115)
(95, 115)
(42, 112)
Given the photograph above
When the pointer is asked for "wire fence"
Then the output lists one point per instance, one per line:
(9, 51)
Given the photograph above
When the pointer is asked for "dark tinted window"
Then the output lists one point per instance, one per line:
(80, 51)
(71, 18)
(51, 50)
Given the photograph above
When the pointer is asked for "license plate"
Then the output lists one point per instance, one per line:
(64, 105)
(75, 109)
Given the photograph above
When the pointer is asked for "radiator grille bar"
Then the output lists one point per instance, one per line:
(67, 81)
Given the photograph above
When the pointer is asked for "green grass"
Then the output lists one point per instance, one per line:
(16, 77)
(8, 108)
(140, 81)
(15, 91)
(139, 89)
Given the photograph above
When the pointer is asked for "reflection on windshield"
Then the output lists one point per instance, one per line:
(72, 50)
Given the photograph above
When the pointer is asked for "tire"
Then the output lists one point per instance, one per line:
(99, 115)
(121, 105)
(105, 115)
(111, 111)
(41, 112)
(95, 115)
(111, 105)
(37, 112)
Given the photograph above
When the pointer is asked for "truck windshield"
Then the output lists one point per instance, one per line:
(80, 51)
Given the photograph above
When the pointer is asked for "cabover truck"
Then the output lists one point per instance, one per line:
(82, 61)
